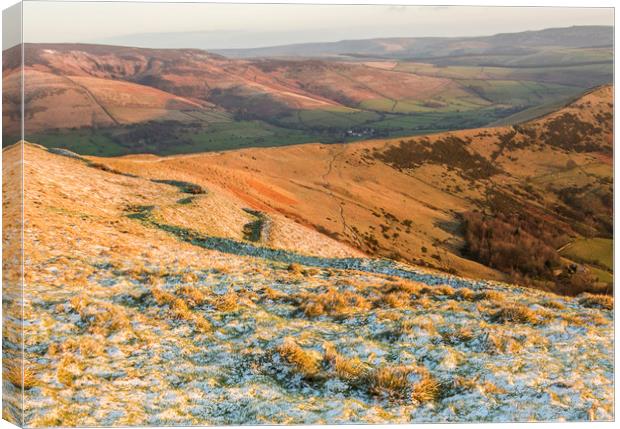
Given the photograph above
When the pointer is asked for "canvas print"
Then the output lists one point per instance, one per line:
(230, 214)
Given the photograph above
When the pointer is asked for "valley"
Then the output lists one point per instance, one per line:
(413, 199)
(390, 230)
(113, 100)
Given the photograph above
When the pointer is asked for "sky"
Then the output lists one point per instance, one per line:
(220, 26)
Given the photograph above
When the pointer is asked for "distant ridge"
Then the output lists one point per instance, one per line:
(528, 42)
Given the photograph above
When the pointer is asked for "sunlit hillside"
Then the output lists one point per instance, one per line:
(421, 200)
(164, 301)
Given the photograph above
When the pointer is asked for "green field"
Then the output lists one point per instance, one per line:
(237, 135)
(82, 141)
(534, 112)
(325, 126)
(597, 252)
(514, 92)
(602, 275)
(581, 76)
(479, 97)
(319, 118)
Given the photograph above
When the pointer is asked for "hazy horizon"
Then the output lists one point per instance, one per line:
(213, 26)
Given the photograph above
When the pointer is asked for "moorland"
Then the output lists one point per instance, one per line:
(388, 230)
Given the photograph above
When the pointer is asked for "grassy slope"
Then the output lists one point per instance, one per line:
(279, 102)
(409, 212)
(207, 330)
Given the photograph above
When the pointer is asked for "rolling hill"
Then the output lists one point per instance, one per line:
(154, 300)
(524, 48)
(420, 199)
(111, 100)
(374, 231)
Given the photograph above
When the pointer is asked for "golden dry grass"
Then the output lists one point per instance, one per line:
(555, 305)
(460, 335)
(492, 388)
(392, 381)
(351, 370)
(516, 313)
(409, 326)
(272, 294)
(490, 295)
(398, 383)
(304, 362)
(333, 303)
(102, 318)
(396, 299)
(409, 287)
(443, 290)
(295, 268)
(181, 310)
(465, 294)
(22, 377)
(192, 295)
(426, 390)
(68, 369)
(227, 302)
(86, 345)
(605, 302)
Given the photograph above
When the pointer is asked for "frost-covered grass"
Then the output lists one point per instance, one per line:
(127, 323)
(270, 345)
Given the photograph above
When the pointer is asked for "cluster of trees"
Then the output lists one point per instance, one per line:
(520, 246)
(591, 206)
(152, 136)
(509, 245)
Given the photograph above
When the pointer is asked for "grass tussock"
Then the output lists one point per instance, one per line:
(227, 302)
(392, 381)
(295, 268)
(22, 377)
(403, 294)
(552, 304)
(584, 320)
(496, 343)
(299, 270)
(458, 336)
(189, 277)
(103, 318)
(516, 313)
(444, 290)
(413, 326)
(192, 295)
(489, 295)
(424, 303)
(491, 388)
(426, 390)
(396, 300)
(333, 303)
(68, 370)
(351, 370)
(305, 363)
(465, 294)
(409, 287)
(405, 382)
(86, 346)
(181, 310)
(273, 294)
(605, 302)
(450, 306)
